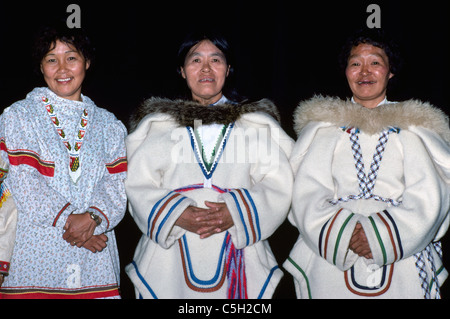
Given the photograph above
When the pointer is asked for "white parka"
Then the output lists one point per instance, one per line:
(401, 199)
(249, 171)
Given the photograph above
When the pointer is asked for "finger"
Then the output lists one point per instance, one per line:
(214, 205)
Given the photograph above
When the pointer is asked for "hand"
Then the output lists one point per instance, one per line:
(78, 229)
(206, 221)
(96, 243)
(359, 244)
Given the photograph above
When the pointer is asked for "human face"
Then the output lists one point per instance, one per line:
(64, 69)
(368, 74)
(205, 70)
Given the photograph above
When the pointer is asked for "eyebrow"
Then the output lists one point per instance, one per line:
(359, 55)
(70, 51)
(195, 53)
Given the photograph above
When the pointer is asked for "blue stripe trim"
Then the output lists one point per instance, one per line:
(150, 216)
(143, 280)
(219, 270)
(263, 290)
(255, 213)
(241, 215)
(167, 216)
(397, 233)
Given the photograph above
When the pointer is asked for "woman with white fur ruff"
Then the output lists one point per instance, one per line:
(371, 195)
(208, 182)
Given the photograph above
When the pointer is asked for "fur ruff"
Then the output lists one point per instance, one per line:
(371, 121)
(186, 112)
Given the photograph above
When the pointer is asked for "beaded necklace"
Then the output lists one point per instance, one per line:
(74, 152)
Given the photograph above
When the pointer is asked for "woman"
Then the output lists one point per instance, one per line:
(371, 196)
(66, 170)
(208, 182)
(8, 222)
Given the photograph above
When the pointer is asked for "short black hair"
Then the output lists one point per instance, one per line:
(377, 38)
(46, 37)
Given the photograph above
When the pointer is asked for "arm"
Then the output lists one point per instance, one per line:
(326, 229)
(108, 202)
(259, 209)
(154, 208)
(399, 232)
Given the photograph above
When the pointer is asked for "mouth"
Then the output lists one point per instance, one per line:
(206, 80)
(366, 82)
(65, 80)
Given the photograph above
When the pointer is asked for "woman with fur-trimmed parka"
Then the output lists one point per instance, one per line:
(208, 182)
(371, 191)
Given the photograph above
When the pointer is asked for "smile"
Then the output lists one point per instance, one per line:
(63, 80)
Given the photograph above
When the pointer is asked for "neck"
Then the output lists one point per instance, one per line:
(370, 104)
(207, 101)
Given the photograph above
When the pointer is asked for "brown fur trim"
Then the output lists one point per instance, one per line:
(186, 112)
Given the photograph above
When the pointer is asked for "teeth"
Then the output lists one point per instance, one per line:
(63, 80)
(206, 80)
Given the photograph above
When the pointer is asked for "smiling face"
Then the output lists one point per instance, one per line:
(64, 69)
(205, 71)
(368, 74)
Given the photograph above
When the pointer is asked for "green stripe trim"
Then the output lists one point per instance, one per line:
(338, 239)
(383, 249)
(303, 274)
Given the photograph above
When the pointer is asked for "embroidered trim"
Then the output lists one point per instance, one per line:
(367, 182)
(74, 152)
(209, 168)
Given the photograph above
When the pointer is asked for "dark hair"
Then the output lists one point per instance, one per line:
(46, 37)
(223, 45)
(377, 38)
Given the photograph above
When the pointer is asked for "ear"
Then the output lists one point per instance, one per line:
(183, 74)
(88, 64)
(391, 75)
(228, 70)
(42, 69)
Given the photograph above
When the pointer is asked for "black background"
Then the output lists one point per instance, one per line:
(285, 51)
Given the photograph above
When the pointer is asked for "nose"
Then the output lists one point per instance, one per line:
(62, 67)
(206, 67)
(365, 69)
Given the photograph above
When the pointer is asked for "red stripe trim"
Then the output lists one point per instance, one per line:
(329, 231)
(161, 209)
(120, 165)
(113, 292)
(391, 236)
(59, 214)
(249, 214)
(28, 157)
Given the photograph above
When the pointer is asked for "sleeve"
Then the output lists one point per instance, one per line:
(155, 209)
(8, 222)
(258, 210)
(399, 232)
(326, 229)
(109, 198)
(52, 207)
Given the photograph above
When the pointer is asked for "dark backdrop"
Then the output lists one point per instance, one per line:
(285, 51)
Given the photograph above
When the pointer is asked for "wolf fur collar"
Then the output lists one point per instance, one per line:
(186, 112)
